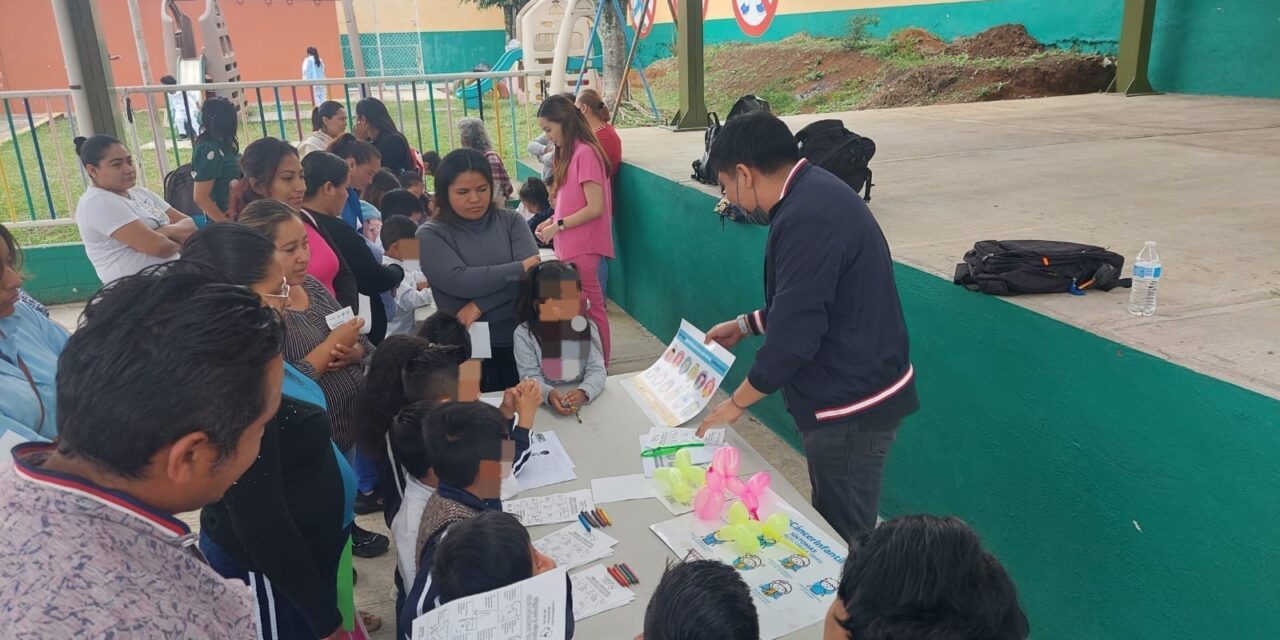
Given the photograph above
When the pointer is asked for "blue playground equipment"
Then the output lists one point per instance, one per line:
(473, 90)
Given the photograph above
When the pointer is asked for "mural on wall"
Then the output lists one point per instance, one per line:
(754, 16)
(641, 16)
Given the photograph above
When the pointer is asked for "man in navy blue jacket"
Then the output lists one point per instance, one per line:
(835, 341)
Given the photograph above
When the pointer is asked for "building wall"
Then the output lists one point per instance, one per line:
(399, 37)
(270, 40)
(1127, 496)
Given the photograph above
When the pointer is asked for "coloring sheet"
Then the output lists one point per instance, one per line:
(557, 507)
(532, 609)
(791, 590)
(680, 384)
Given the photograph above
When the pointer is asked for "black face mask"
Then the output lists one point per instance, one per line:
(757, 215)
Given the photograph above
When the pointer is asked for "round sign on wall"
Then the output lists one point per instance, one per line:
(637, 7)
(754, 16)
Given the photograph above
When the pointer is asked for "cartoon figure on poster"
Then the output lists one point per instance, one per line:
(776, 589)
(755, 16)
(824, 587)
(747, 562)
(641, 16)
(795, 562)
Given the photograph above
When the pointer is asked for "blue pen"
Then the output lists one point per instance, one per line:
(583, 520)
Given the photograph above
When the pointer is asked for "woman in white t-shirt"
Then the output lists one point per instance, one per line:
(124, 227)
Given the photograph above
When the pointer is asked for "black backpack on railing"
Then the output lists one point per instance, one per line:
(827, 144)
(1014, 267)
(746, 104)
(179, 191)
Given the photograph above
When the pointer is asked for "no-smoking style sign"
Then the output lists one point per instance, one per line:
(754, 16)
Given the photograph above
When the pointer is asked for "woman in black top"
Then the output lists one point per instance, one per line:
(374, 123)
(283, 519)
(326, 176)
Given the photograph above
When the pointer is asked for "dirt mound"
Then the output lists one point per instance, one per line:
(1051, 76)
(920, 41)
(917, 86)
(1004, 41)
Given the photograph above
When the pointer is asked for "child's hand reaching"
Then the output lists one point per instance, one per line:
(528, 395)
(576, 398)
(508, 406)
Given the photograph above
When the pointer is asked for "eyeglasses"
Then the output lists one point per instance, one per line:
(284, 291)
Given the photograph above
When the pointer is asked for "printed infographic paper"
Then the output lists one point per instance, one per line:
(791, 591)
(680, 384)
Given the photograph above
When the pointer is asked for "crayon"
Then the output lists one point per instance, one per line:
(593, 519)
(583, 519)
(616, 575)
(603, 517)
(629, 573)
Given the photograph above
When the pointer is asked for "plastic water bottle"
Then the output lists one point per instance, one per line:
(1146, 275)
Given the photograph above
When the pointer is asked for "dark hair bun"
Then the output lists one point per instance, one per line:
(79, 142)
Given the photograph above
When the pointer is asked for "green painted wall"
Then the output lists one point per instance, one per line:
(444, 51)
(1226, 47)
(1128, 497)
(59, 273)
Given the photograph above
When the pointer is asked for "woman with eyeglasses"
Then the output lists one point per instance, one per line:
(283, 526)
(333, 358)
(30, 345)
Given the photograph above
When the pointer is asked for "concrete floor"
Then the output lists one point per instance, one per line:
(634, 349)
(1200, 175)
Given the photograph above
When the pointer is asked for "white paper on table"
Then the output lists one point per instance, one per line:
(791, 591)
(620, 488)
(552, 509)
(8, 441)
(595, 591)
(680, 384)
(481, 347)
(547, 464)
(573, 546)
(532, 609)
(676, 508)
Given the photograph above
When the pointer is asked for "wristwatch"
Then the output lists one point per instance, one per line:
(560, 224)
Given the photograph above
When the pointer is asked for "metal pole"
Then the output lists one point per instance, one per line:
(140, 43)
(73, 35)
(1135, 48)
(353, 38)
(631, 56)
(693, 101)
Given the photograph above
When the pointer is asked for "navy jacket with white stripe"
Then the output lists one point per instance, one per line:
(835, 339)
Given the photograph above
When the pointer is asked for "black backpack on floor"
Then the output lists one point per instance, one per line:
(746, 104)
(1014, 267)
(827, 144)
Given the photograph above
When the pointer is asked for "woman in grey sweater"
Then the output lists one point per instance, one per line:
(475, 254)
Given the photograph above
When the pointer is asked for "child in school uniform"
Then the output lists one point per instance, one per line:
(413, 292)
(489, 551)
(469, 446)
(555, 343)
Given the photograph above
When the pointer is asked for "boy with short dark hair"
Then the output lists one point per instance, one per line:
(402, 202)
(490, 551)
(412, 182)
(701, 600)
(184, 108)
(469, 447)
(92, 547)
(431, 160)
(401, 249)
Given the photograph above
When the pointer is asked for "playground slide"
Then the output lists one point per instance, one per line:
(470, 90)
